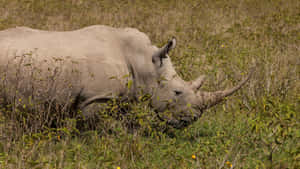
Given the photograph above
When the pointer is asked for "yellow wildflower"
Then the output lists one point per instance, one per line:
(118, 167)
(228, 164)
(194, 156)
(222, 46)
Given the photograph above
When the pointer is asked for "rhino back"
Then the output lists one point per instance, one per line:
(96, 52)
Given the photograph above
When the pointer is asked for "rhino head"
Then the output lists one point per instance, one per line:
(181, 101)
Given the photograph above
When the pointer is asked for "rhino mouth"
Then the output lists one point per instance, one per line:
(178, 124)
(182, 123)
(187, 118)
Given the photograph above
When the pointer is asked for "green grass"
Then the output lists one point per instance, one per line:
(259, 127)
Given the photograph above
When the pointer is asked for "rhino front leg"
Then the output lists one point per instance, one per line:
(89, 116)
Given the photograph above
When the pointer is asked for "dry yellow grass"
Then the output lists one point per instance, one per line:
(258, 127)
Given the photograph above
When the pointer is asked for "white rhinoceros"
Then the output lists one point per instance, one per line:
(98, 63)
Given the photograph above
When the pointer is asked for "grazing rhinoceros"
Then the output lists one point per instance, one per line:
(109, 62)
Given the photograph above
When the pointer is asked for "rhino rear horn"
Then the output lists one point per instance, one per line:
(197, 83)
(161, 54)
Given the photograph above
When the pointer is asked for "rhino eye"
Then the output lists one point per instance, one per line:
(177, 92)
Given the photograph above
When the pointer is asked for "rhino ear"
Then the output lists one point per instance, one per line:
(161, 54)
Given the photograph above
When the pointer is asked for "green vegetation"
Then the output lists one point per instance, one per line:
(259, 127)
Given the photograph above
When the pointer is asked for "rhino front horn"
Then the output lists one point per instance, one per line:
(209, 99)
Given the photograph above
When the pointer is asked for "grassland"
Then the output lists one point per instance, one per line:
(259, 127)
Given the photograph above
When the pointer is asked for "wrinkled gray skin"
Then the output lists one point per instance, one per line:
(105, 57)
